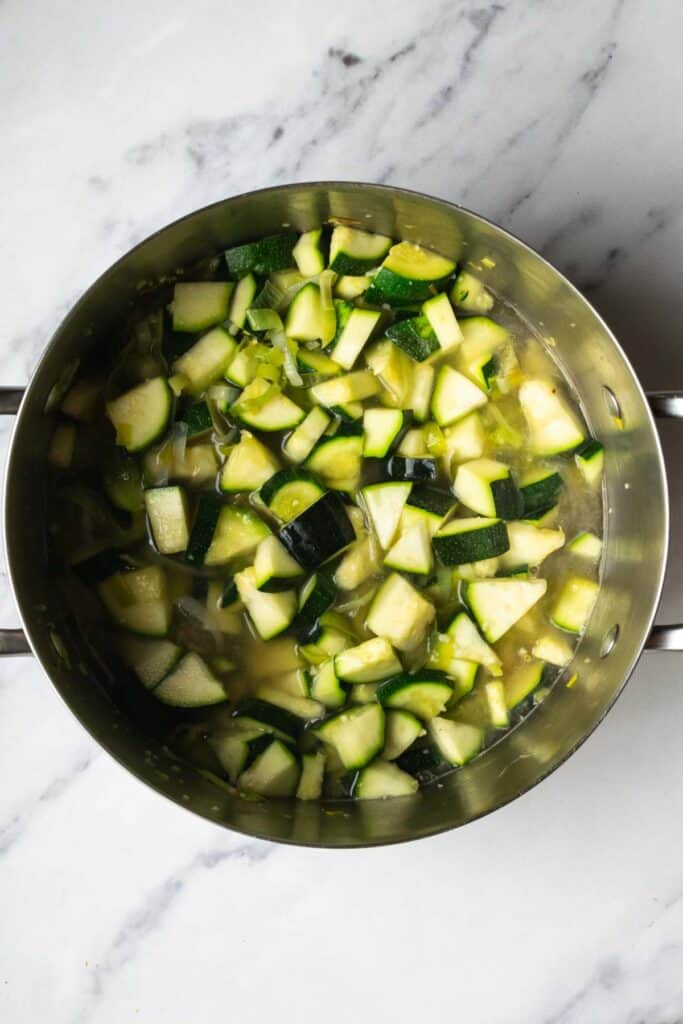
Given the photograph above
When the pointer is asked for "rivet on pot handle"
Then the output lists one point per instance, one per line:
(666, 405)
(12, 641)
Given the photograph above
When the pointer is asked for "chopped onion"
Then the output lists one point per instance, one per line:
(159, 463)
(178, 439)
(288, 348)
(325, 280)
(359, 600)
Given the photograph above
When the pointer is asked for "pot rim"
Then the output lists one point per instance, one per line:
(13, 572)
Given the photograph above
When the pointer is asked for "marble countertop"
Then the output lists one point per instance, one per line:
(560, 121)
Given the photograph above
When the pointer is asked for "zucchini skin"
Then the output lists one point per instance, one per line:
(472, 545)
(263, 256)
(321, 531)
(399, 467)
(431, 499)
(541, 494)
(203, 530)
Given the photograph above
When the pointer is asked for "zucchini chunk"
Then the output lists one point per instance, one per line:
(384, 503)
(586, 545)
(553, 427)
(320, 532)
(263, 256)
(368, 662)
(190, 684)
(470, 295)
(356, 734)
(380, 780)
(290, 492)
(308, 254)
(354, 329)
(575, 604)
(140, 416)
(454, 396)
(498, 604)
(381, 428)
(424, 693)
(487, 487)
(463, 541)
(590, 460)
(407, 275)
(263, 407)
(275, 772)
(197, 306)
(354, 252)
(402, 728)
(248, 465)
(168, 518)
(274, 568)
(271, 613)
(457, 742)
(303, 440)
(539, 489)
(406, 630)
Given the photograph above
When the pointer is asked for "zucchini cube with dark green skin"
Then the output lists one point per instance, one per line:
(408, 274)
(415, 336)
(539, 490)
(590, 460)
(320, 532)
(419, 470)
(290, 492)
(424, 693)
(487, 487)
(470, 540)
(263, 256)
(198, 419)
(353, 252)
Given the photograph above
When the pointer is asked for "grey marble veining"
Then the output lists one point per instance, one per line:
(562, 122)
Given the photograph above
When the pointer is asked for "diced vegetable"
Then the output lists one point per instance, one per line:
(406, 630)
(498, 604)
(575, 604)
(553, 427)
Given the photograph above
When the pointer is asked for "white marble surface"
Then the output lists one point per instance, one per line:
(561, 121)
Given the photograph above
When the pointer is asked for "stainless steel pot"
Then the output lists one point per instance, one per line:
(616, 409)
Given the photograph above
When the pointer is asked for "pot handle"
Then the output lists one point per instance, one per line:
(12, 641)
(666, 405)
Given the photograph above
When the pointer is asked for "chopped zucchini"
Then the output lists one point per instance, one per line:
(457, 742)
(470, 295)
(249, 465)
(354, 252)
(274, 567)
(308, 254)
(140, 416)
(356, 734)
(487, 487)
(590, 459)
(380, 780)
(407, 630)
(199, 305)
(354, 329)
(263, 407)
(262, 257)
(575, 604)
(303, 440)
(463, 541)
(454, 396)
(207, 360)
(368, 662)
(498, 604)
(553, 427)
(190, 684)
(586, 545)
(290, 492)
(168, 518)
(271, 614)
(384, 504)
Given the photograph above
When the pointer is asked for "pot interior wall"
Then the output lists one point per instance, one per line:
(635, 499)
